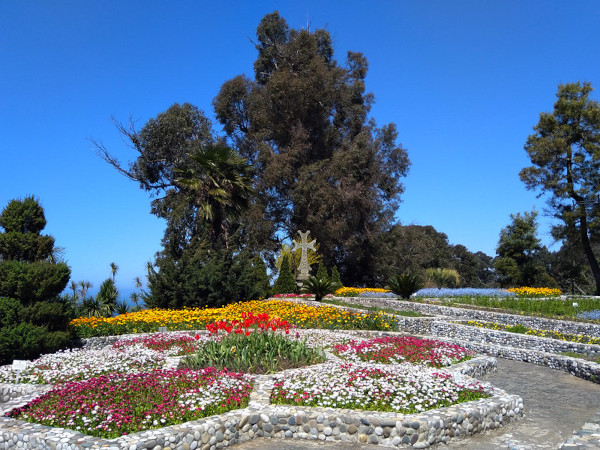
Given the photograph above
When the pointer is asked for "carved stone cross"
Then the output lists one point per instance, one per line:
(304, 246)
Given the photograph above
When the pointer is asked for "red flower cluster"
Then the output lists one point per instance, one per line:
(248, 323)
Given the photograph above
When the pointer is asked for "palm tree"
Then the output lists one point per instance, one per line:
(113, 270)
(85, 286)
(92, 307)
(218, 184)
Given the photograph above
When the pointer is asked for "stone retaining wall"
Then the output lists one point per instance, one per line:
(561, 326)
(468, 333)
(260, 419)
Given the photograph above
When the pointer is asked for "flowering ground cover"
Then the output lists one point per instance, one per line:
(522, 329)
(400, 349)
(461, 292)
(355, 292)
(118, 394)
(129, 355)
(403, 388)
(116, 404)
(299, 315)
(533, 292)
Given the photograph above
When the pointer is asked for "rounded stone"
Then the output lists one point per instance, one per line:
(327, 431)
(352, 429)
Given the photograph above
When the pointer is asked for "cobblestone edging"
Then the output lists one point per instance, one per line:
(589, 435)
(260, 419)
(586, 438)
(532, 342)
(589, 329)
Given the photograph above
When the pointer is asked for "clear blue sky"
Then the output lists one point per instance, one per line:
(464, 82)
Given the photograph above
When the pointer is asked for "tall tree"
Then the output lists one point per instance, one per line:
(518, 249)
(320, 163)
(33, 318)
(565, 153)
(200, 186)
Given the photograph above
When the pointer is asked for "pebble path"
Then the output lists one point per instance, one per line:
(555, 404)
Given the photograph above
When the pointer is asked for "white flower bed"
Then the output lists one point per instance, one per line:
(404, 388)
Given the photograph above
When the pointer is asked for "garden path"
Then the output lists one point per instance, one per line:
(555, 404)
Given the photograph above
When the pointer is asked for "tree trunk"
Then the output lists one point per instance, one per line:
(587, 248)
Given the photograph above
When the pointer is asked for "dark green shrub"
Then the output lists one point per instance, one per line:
(52, 315)
(32, 281)
(10, 311)
(319, 287)
(27, 341)
(405, 284)
(322, 271)
(33, 320)
(335, 276)
(285, 283)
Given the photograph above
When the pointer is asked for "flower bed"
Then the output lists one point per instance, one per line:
(117, 404)
(404, 388)
(355, 292)
(299, 315)
(401, 349)
(535, 292)
(129, 355)
(461, 292)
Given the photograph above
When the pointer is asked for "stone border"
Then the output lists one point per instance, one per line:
(589, 435)
(261, 419)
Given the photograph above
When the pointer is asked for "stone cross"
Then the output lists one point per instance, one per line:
(304, 246)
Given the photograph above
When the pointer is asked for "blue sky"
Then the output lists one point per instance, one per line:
(464, 82)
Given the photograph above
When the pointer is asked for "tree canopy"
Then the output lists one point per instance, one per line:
(320, 163)
(565, 155)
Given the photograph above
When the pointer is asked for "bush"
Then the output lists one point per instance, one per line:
(285, 283)
(27, 341)
(319, 287)
(405, 284)
(443, 277)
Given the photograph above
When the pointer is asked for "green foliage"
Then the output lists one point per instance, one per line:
(415, 249)
(319, 287)
(32, 282)
(443, 277)
(33, 319)
(518, 250)
(107, 296)
(552, 307)
(335, 276)
(405, 284)
(23, 216)
(565, 155)
(285, 283)
(25, 247)
(257, 353)
(9, 311)
(207, 277)
(322, 271)
(24, 340)
(323, 165)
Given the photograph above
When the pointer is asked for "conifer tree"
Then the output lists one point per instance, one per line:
(33, 318)
(322, 271)
(285, 283)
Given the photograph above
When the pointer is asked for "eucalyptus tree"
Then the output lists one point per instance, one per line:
(565, 155)
(321, 163)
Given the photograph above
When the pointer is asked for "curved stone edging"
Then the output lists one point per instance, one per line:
(261, 419)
